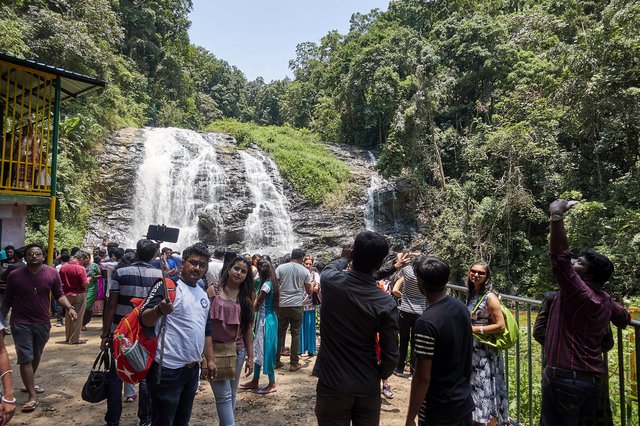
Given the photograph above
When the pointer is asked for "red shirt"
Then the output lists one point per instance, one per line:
(578, 320)
(28, 294)
(74, 278)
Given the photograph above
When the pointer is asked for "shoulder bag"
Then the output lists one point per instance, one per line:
(504, 340)
(95, 388)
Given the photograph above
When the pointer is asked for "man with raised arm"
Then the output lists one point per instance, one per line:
(578, 322)
(353, 310)
(127, 282)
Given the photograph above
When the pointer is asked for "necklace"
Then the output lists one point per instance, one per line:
(228, 297)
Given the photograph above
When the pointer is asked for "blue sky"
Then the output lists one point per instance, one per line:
(260, 37)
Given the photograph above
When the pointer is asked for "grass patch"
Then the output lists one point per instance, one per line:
(314, 171)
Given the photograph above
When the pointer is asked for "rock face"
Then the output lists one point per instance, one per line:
(252, 203)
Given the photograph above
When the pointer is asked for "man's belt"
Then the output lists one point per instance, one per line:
(191, 365)
(573, 375)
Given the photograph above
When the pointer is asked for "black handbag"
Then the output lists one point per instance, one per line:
(95, 388)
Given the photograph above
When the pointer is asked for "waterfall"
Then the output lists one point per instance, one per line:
(268, 226)
(179, 176)
(213, 192)
(381, 210)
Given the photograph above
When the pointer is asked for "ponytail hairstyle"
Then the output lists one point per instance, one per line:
(245, 296)
(267, 273)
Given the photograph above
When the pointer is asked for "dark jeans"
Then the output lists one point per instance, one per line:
(56, 309)
(566, 401)
(114, 400)
(291, 315)
(406, 334)
(464, 421)
(335, 408)
(172, 398)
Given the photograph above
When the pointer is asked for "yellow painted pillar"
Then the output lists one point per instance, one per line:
(52, 222)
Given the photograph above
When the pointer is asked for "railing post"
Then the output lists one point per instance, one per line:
(623, 414)
(636, 333)
(530, 363)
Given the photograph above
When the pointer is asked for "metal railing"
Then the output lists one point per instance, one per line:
(526, 360)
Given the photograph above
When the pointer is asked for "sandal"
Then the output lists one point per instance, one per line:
(264, 391)
(245, 386)
(29, 406)
(36, 387)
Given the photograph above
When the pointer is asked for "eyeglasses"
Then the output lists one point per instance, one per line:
(34, 254)
(475, 271)
(195, 263)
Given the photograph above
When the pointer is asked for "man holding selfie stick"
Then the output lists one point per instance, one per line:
(578, 322)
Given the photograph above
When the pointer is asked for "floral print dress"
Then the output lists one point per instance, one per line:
(488, 388)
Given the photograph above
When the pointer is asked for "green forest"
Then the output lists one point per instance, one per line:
(491, 108)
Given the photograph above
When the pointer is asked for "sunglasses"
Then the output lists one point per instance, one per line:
(475, 271)
(195, 263)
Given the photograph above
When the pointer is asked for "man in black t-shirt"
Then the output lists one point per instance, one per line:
(440, 389)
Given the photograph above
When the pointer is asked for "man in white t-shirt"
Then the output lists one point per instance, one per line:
(215, 266)
(294, 281)
(187, 335)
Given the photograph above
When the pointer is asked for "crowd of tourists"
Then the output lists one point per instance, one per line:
(381, 314)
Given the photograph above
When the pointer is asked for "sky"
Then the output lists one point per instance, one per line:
(260, 37)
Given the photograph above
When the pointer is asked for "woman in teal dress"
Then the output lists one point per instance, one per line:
(265, 342)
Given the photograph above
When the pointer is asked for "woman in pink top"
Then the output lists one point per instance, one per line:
(231, 319)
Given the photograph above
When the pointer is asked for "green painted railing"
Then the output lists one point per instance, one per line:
(523, 366)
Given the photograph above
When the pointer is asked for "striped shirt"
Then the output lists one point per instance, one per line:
(578, 320)
(443, 335)
(131, 281)
(412, 301)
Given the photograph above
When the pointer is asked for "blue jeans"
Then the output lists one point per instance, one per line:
(225, 392)
(114, 400)
(566, 401)
(172, 398)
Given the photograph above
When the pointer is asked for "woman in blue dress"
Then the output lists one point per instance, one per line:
(265, 342)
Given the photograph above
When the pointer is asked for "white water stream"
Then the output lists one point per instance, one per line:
(181, 175)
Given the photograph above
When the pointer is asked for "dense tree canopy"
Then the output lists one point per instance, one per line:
(492, 108)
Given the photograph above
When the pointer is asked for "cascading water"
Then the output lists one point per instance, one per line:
(268, 226)
(202, 185)
(379, 193)
(179, 176)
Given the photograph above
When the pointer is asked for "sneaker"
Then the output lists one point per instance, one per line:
(295, 367)
(59, 323)
(398, 373)
(387, 392)
(84, 328)
(131, 398)
(279, 364)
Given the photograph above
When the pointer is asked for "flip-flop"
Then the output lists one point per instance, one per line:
(37, 388)
(79, 342)
(29, 406)
(265, 391)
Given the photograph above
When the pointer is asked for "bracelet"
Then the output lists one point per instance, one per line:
(70, 307)
(8, 401)
(5, 373)
(481, 330)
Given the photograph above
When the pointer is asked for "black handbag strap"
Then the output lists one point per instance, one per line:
(102, 361)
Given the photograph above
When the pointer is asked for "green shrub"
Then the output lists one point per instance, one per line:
(309, 166)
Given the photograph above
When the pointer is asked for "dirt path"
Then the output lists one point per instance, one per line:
(64, 369)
